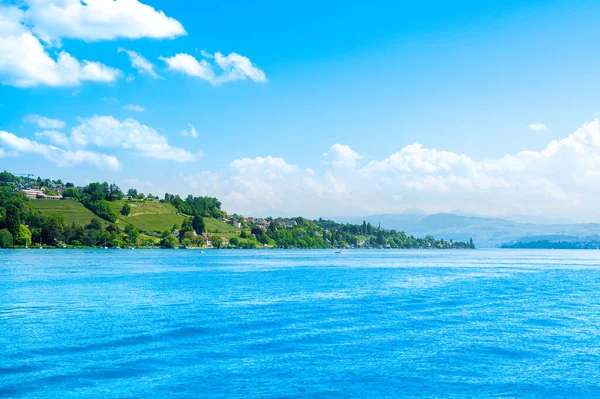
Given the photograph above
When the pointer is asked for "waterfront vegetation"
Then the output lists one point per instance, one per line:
(101, 215)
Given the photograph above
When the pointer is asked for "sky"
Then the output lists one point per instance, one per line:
(310, 108)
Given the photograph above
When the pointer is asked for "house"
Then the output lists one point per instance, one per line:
(236, 224)
(34, 193)
(175, 233)
(291, 224)
(361, 243)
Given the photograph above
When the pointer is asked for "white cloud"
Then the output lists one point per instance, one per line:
(129, 134)
(141, 64)
(191, 132)
(134, 108)
(53, 136)
(189, 65)
(44, 122)
(58, 156)
(561, 179)
(537, 127)
(343, 156)
(228, 68)
(237, 67)
(24, 62)
(95, 20)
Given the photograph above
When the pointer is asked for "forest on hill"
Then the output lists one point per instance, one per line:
(51, 213)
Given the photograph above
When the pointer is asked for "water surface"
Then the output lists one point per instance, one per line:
(284, 324)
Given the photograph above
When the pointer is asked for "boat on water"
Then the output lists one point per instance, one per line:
(338, 251)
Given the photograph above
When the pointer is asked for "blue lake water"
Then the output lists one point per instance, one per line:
(310, 324)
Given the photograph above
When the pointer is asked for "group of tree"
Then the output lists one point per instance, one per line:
(206, 207)
(303, 233)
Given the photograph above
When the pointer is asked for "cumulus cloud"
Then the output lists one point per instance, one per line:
(56, 155)
(141, 64)
(44, 122)
(561, 179)
(129, 134)
(220, 69)
(53, 136)
(134, 108)
(24, 62)
(342, 156)
(537, 127)
(95, 20)
(190, 132)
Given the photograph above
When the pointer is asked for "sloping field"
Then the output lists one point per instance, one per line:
(74, 211)
(216, 226)
(148, 216)
(153, 221)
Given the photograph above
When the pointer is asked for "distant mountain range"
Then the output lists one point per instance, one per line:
(487, 232)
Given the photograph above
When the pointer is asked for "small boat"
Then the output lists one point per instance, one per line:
(338, 252)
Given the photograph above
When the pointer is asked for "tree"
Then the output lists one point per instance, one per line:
(125, 210)
(50, 192)
(380, 240)
(132, 192)
(141, 196)
(53, 228)
(234, 241)
(114, 193)
(23, 236)
(198, 224)
(186, 227)
(6, 239)
(13, 219)
(168, 241)
(70, 193)
(471, 244)
(132, 233)
(95, 224)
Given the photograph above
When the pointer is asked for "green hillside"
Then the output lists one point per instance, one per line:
(148, 216)
(74, 211)
(145, 215)
(216, 226)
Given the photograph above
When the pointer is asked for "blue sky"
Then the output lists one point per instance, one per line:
(464, 81)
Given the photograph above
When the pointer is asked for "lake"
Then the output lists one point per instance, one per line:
(309, 324)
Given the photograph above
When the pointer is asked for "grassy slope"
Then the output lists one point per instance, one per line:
(148, 216)
(74, 211)
(216, 226)
(145, 216)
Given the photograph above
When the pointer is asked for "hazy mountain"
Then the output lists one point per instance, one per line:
(538, 219)
(486, 231)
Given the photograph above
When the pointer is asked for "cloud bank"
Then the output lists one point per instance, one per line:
(561, 179)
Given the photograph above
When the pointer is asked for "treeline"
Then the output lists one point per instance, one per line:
(207, 207)
(304, 233)
(549, 244)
